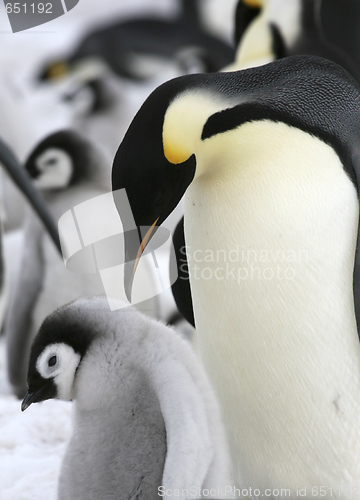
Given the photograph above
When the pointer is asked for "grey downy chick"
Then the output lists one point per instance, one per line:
(145, 415)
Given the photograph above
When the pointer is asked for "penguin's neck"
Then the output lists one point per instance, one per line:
(255, 48)
(271, 227)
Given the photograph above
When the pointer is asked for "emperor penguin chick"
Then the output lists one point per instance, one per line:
(146, 419)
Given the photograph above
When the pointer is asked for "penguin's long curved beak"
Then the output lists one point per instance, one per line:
(133, 253)
(23, 181)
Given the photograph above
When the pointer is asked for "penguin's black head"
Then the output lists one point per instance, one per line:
(56, 353)
(62, 159)
(153, 185)
(140, 165)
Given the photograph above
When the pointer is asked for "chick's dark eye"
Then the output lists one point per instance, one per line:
(52, 361)
(51, 161)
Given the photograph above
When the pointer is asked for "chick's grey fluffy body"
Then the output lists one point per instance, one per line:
(119, 432)
(145, 415)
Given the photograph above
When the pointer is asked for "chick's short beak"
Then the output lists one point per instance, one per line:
(28, 399)
(45, 391)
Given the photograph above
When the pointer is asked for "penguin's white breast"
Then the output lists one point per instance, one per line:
(271, 229)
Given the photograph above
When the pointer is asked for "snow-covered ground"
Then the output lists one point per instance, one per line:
(32, 443)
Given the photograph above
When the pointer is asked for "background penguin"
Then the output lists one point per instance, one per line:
(39, 212)
(22, 181)
(145, 414)
(269, 160)
(28, 116)
(256, 40)
(266, 30)
(140, 48)
(69, 171)
(245, 13)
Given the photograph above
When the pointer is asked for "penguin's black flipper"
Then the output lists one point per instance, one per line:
(181, 288)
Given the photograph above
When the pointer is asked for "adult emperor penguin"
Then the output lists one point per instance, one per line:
(145, 414)
(269, 159)
(68, 170)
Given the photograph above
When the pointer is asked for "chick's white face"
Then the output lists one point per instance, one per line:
(59, 362)
(55, 167)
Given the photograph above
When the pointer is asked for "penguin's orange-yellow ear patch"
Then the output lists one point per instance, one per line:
(183, 123)
(254, 4)
(174, 154)
(57, 70)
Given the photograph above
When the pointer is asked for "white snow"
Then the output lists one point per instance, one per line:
(31, 443)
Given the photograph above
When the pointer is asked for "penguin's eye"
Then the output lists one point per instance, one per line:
(52, 361)
(51, 162)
